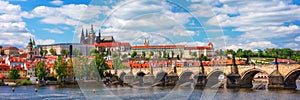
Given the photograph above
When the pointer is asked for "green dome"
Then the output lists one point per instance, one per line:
(35, 47)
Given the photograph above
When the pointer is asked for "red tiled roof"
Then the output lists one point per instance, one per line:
(10, 48)
(157, 47)
(23, 55)
(16, 59)
(2, 61)
(51, 57)
(111, 44)
(197, 48)
(2, 66)
(20, 50)
(19, 68)
(285, 60)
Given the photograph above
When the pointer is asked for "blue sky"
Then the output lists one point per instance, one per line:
(230, 24)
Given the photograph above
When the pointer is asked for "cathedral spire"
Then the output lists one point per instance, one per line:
(86, 32)
(30, 41)
(99, 34)
(92, 29)
(98, 39)
(146, 43)
(82, 36)
(33, 42)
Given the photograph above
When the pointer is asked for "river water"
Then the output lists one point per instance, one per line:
(143, 93)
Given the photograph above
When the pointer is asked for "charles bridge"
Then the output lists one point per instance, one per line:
(279, 76)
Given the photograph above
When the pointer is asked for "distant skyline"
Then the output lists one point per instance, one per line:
(236, 23)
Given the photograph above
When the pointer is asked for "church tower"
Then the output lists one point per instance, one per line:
(82, 38)
(86, 37)
(92, 35)
(98, 39)
(29, 49)
(146, 43)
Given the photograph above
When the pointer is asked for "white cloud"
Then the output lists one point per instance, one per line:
(257, 20)
(252, 45)
(12, 27)
(10, 18)
(268, 31)
(44, 42)
(201, 10)
(9, 8)
(195, 43)
(150, 17)
(297, 38)
(71, 14)
(58, 31)
(257, 13)
(57, 2)
(61, 20)
(291, 45)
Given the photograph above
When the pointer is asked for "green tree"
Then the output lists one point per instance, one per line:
(94, 51)
(1, 52)
(166, 55)
(159, 54)
(53, 51)
(194, 54)
(101, 64)
(239, 52)
(41, 70)
(260, 53)
(77, 52)
(178, 57)
(124, 56)
(133, 54)
(60, 66)
(64, 52)
(117, 63)
(14, 74)
(172, 54)
(143, 54)
(151, 54)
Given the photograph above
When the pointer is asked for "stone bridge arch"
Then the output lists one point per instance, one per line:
(160, 76)
(122, 75)
(248, 75)
(213, 77)
(186, 76)
(291, 77)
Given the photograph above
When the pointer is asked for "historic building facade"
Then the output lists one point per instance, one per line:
(173, 51)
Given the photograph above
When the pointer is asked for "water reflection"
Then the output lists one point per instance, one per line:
(126, 93)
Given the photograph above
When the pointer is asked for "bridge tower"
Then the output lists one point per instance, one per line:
(234, 77)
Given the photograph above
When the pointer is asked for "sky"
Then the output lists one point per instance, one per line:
(228, 24)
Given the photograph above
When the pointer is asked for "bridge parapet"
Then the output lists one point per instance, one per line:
(288, 71)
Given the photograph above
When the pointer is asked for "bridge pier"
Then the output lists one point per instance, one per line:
(233, 81)
(129, 78)
(276, 80)
(148, 80)
(201, 80)
(171, 80)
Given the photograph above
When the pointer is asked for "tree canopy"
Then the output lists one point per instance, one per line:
(53, 51)
(14, 74)
(101, 64)
(60, 66)
(41, 70)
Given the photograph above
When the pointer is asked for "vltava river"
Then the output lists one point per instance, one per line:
(141, 93)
